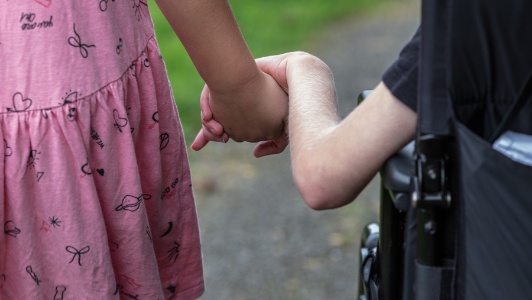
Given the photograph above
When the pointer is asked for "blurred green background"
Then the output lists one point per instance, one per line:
(269, 27)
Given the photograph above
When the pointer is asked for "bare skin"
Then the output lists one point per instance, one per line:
(333, 160)
(246, 100)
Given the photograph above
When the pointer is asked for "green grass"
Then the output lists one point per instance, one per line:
(269, 27)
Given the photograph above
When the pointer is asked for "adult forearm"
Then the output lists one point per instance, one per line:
(313, 117)
(332, 160)
(313, 109)
(210, 34)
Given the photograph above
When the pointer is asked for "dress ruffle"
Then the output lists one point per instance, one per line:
(97, 199)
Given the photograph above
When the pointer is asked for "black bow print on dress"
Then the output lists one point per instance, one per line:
(20, 103)
(119, 122)
(8, 151)
(33, 275)
(119, 47)
(103, 4)
(59, 292)
(76, 42)
(77, 252)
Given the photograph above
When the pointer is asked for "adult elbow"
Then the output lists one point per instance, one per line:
(320, 192)
(317, 203)
(323, 187)
(319, 197)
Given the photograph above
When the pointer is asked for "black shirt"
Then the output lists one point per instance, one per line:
(401, 78)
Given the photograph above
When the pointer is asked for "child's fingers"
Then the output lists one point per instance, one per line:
(206, 116)
(210, 136)
(199, 142)
(214, 127)
(271, 147)
(204, 137)
(206, 113)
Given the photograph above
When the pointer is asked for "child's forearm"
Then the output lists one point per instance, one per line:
(246, 101)
(210, 34)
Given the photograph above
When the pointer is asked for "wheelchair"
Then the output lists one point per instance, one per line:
(423, 248)
(455, 215)
(382, 246)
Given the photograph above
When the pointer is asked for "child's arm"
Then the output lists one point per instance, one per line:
(333, 160)
(248, 102)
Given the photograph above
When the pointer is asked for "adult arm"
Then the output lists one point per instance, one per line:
(245, 100)
(334, 160)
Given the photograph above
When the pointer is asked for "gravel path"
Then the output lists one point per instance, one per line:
(260, 240)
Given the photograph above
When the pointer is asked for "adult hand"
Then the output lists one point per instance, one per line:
(213, 131)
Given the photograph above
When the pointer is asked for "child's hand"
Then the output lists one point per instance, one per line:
(213, 131)
(250, 111)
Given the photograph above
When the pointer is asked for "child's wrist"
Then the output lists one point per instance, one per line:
(235, 85)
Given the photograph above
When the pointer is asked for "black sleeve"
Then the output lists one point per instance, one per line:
(402, 76)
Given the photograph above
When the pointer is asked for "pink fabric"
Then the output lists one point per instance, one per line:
(96, 199)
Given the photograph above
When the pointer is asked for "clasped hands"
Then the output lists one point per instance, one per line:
(253, 111)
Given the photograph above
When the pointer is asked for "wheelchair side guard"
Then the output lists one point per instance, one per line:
(396, 175)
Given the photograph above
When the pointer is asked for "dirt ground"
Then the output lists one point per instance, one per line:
(260, 240)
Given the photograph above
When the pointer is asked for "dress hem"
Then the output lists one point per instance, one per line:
(193, 293)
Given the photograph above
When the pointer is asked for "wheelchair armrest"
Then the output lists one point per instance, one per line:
(363, 96)
(396, 174)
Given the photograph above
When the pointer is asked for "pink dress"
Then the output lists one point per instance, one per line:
(96, 197)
